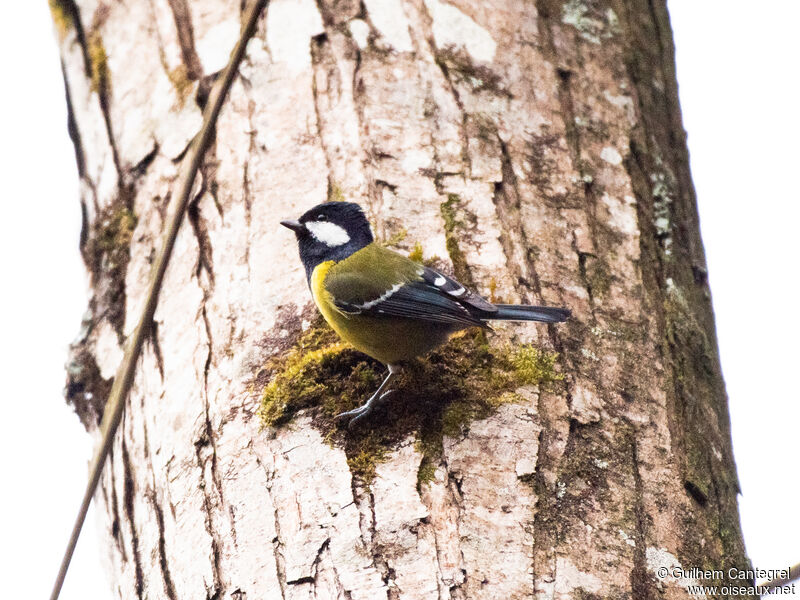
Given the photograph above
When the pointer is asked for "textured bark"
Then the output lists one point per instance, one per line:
(537, 147)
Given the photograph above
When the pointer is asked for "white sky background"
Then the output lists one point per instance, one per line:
(737, 68)
(738, 64)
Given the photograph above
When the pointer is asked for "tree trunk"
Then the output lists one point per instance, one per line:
(534, 148)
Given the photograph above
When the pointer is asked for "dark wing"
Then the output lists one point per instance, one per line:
(411, 300)
(455, 290)
(402, 288)
(418, 300)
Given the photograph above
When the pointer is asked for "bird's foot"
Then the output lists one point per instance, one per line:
(360, 413)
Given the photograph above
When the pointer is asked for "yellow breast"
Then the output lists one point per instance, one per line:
(322, 297)
(387, 340)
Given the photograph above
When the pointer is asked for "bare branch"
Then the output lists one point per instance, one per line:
(124, 377)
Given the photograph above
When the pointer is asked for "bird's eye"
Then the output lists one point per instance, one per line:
(322, 218)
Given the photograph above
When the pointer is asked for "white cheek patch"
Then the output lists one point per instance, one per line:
(328, 233)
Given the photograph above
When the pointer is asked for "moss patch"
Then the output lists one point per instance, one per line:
(453, 222)
(438, 395)
(291, 389)
(100, 76)
(335, 192)
(533, 366)
(179, 78)
(416, 253)
(598, 277)
(62, 18)
(394, 239)
(106, 253)
(317, 370)
(493, 298)
(116, 230)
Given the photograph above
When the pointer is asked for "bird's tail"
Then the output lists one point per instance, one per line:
(525, 312)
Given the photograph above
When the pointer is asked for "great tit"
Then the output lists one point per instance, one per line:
(383, 303)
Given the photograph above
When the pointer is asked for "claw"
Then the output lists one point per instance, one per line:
(356, 412)
(358, 418)
(377, 398)
(364, 411)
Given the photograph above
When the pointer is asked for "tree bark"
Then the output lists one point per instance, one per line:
(536, 148)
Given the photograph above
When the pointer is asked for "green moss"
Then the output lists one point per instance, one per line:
(493, 291)
(116, 230)
(598, 277)
(179, 78)
(108, 246)
(297, 385)
(450, 214)
(395, 238)
(457, 416)
(100, 76)
(416, 253)
(438, 395)
(533, 366)
(307, 376)
(62, 18)
(335, 192)
(369, 453)
(426, 472)
(107, 253)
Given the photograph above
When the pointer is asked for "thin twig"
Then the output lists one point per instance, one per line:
(773, 584)
(124, 376)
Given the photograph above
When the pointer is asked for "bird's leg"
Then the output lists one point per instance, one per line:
(362, 411)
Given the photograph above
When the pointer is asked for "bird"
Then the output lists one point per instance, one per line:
(384, 304)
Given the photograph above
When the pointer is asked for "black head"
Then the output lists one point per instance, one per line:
(330, 231)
